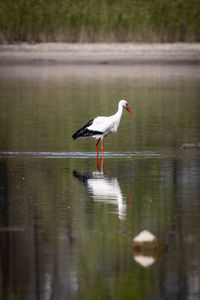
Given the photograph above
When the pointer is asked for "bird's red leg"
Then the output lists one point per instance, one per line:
(102, 164)
(97, 147)
(102, 148)
(97, 154)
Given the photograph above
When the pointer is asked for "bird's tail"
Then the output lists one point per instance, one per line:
(85, 132)
(75, 135)
(82, 131)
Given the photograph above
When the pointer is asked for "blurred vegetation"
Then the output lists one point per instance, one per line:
(99, 21)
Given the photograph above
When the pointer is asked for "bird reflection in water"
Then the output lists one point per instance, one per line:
(103, 189)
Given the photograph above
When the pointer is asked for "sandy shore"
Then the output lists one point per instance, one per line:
(60, 53)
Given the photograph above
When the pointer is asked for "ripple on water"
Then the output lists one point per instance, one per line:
(79, 154)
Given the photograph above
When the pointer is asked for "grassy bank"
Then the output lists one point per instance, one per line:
(100, 20)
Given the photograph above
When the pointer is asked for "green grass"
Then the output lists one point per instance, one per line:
(99, 20)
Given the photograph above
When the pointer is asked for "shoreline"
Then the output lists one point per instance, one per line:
(99, 53)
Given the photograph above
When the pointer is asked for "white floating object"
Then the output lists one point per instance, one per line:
(147, 248)
(144, 236)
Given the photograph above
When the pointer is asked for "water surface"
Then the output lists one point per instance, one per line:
(66, 227)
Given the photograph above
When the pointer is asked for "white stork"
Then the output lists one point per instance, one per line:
(100, 127)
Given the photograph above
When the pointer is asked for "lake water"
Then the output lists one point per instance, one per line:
(66, 225)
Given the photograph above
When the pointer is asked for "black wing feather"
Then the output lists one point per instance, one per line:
(84, 132)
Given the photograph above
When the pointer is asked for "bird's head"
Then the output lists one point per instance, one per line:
(124, 104)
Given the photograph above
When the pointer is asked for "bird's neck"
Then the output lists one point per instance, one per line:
(117, 118)
(119, 113)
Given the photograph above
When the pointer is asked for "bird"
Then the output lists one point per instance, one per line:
(101, 126)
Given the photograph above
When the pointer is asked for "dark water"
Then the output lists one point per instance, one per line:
(66, 229)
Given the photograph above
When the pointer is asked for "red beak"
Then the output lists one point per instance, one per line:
(130, 112)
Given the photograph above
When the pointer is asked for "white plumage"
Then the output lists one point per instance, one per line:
(100, 127)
